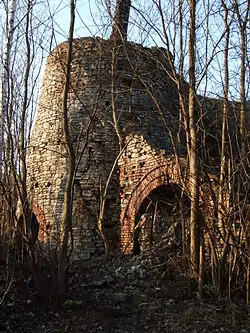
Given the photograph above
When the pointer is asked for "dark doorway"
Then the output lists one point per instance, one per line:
(160, 214)
(27, 231)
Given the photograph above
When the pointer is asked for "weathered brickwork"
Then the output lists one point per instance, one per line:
(115, 89)
(142, 170)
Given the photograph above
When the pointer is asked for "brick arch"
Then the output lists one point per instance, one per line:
(164, 173)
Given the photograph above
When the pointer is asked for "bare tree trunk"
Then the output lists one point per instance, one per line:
(193, 160)
(222, 181)
(4, 87)
(63, 260)
(120, 22)
(201, 266)
(242, 21)
(23, 176)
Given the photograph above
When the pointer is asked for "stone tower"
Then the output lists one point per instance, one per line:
(121, 98)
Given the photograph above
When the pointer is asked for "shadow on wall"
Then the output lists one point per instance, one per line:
(87, 240)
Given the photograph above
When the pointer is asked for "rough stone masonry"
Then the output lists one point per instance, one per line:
(122, 101)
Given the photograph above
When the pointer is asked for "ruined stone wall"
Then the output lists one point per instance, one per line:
(128, 81)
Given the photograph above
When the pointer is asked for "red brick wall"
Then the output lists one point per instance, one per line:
(43, 227)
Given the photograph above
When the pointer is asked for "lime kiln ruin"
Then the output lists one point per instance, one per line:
(123, 107)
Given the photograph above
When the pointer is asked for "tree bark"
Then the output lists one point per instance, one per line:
(63, 260)
(193, 160)
(242, 21)
(4, 87)
(121, 17)
(222, 186)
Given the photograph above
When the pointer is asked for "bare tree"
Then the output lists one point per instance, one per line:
(4, 89)
(27, 43)
(193, 158)
(68, 194)
(242, 20)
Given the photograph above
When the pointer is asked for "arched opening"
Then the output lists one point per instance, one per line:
(27, 232)
(161, 215)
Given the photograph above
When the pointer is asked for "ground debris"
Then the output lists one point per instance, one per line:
(145, 293)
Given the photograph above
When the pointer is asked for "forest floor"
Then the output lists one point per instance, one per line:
(144, 293)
